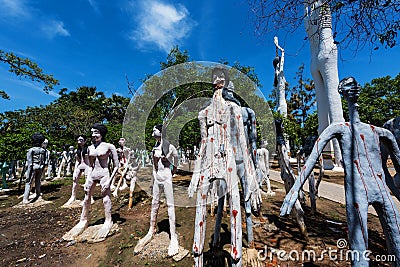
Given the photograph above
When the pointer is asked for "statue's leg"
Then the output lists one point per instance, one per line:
(236, 219)
(312, 192)
(28, 182)
(3, 177)
(220, 187)
(75, 180)
(357, 214)
(131, 190)
(60, 168)
(200, 222)
(173, 248)
(390, 220)
(105, 229)
(38, 182)
(247, 205)
(84, 220)
(155, 204)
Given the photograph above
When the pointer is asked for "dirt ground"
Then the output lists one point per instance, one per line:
(32, 236)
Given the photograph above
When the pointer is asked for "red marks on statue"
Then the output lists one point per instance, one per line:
(206, 111)
(201, 224)
(362, 137)
(304, 167)
(195, 248)
(234, 149)
(235, 252)
(204, 196)
(379, 175)
(224, 126)
(234, 213)
(211, 139)
(356, 205)
(372, 127)
(202, 177)
(238, 117)
(230, 169)
(347, 124)
(361, 177)
(255, 152)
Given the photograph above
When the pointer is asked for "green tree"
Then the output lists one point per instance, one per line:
(26, 68)
(379, 101)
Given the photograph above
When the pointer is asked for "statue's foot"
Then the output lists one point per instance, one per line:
(112, 187)
(115, 193)
(70, 201)
(124, 186)
(25, 201)
(103, 231)
(143, 242)
(79, 228)
(173, 247)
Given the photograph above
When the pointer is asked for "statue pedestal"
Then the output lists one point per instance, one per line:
(87, 235)
(158, 248)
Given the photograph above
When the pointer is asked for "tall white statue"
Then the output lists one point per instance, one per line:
(318, 24)
(279, 80)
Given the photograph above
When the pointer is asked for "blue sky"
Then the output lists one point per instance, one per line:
(99, 42)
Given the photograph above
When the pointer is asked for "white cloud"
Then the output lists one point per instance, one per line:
(162, 24)
(95, 6)
(53, 28)
(14, 9)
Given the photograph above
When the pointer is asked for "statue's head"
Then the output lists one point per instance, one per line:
(121, 141)
(219, 77)
(157, 130)
(45, 143)
(99, 132)
(276, 61)
(37, 139)
(349, 88)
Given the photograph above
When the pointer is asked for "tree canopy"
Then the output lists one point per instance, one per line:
(355, 23)
(26, 68)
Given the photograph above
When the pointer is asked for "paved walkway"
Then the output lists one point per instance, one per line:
(331, 191)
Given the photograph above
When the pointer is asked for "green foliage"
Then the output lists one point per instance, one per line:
(356, 24)
(61, 121)
(379, 101)
(25, 68)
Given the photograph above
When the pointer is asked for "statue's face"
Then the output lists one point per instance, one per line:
(45, 143)
(218, 79)
(96, 136)
(156, 132)
(121, 142)
(81, 140)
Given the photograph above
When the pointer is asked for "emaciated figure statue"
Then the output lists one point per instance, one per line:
(164, 154)
(81, 166)
(99, 153)
(223, 143)
(365, 181)
(35, 162)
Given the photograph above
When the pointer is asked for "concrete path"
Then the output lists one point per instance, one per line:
(331, 191)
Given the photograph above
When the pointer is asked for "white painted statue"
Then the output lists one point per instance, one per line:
(99, 153)
(324, 70)
(164, 154)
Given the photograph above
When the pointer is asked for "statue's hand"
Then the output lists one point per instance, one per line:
(289, 201)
